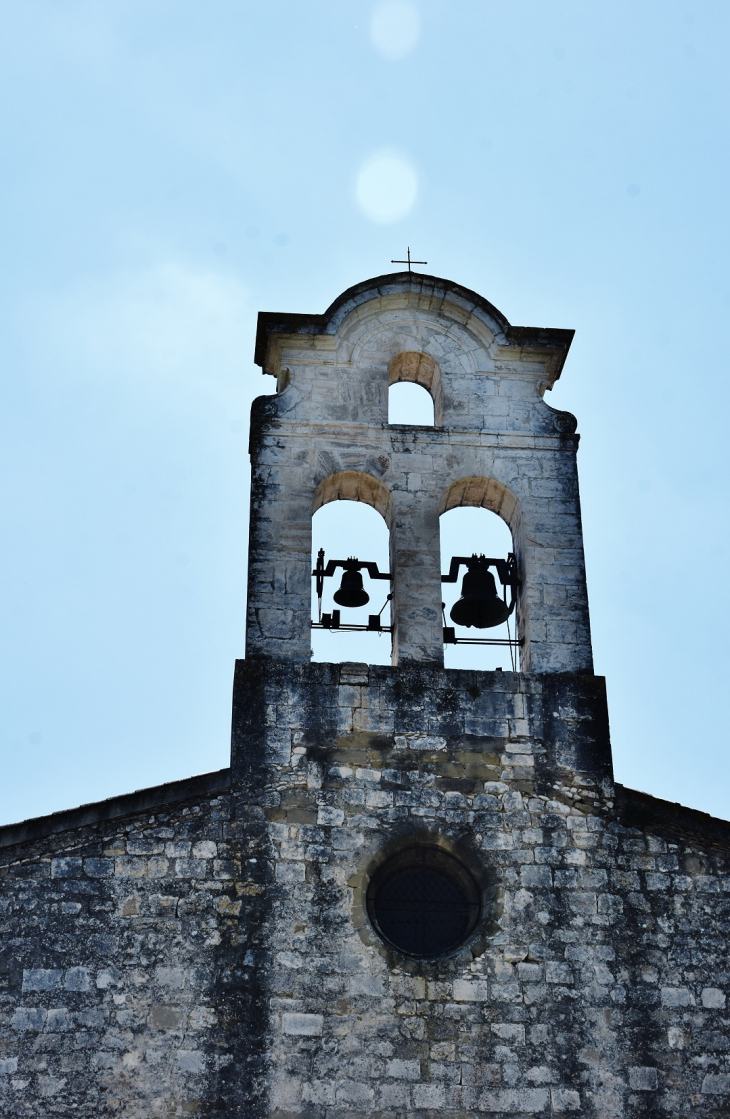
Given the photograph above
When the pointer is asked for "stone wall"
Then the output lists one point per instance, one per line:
(592, 995)
(205, 949)
(110, 956)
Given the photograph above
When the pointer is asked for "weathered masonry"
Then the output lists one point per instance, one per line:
(416, 892)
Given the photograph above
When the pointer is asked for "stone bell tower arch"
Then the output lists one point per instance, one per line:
(496, 444)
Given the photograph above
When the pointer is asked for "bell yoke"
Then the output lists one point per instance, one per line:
(479, 606)
(351, 593)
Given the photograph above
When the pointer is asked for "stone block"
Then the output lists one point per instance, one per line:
(394, 1096)
(549, 856)
(530, 1101)
(355, 1092)
(584, 904)
(77, 979)
(99, 868)
(465, 990)
(558, 972)
(107, 977)
(50, 1085)
(378, 798)
(642, 1079)
(369, 985)
(506, 992)
(426, 742)
(716, 1084)
(592, 879)
(431, 1096)
(28, 1018)
(42, 979)
(190, 1060)
(275, 622)
(400, 1069)
(290, 872)
(67, 867)
(330, 817)
(706, 884)
(512, 1032)
(564, 1099)
(676, 996)
(498, 841)
(191, 868)
(167, 1017)
(302, 1025)
(279, 745)
(536, 877)
(58, 1019)
(130, 867)
(610, 905)
(319, 1092)
(713, 998)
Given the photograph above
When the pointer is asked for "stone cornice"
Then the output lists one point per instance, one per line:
(521, 341)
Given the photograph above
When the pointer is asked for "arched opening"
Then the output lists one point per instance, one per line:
(410, 404)
(474, 512)
(414, 390)
(352, 511)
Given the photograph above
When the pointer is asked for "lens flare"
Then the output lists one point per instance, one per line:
(394, 28)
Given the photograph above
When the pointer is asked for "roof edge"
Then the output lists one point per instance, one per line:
(670, 819)
(115, 808)
(276, 322)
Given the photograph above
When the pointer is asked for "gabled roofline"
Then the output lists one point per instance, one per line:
(116, 808)
(525, 337)
(670, 820)
(634, 810)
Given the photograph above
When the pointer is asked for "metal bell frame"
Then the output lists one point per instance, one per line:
(332, 621)
(506, 571)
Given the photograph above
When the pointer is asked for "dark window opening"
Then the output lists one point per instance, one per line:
(423, 902)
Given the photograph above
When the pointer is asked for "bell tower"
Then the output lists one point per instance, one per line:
(401, 920)
(496, 444)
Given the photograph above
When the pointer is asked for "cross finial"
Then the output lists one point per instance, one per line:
(409, 262)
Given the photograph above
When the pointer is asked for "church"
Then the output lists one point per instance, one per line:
(417, 892)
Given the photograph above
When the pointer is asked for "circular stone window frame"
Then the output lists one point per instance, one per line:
(481, 884)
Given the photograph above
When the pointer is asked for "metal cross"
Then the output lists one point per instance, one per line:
(409, 262)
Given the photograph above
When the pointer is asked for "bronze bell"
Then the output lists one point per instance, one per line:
(480, 605)
(351, 592)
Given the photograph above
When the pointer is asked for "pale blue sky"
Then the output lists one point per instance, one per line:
(171, 168)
